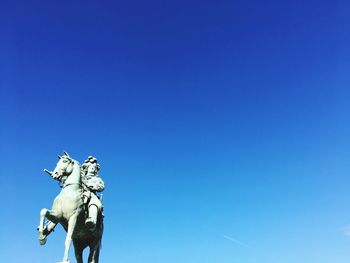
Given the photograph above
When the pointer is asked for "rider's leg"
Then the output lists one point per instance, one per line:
(95, 206)
(92, 219)
(86, 196)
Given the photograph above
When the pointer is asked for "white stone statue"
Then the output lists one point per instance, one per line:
(77, 207)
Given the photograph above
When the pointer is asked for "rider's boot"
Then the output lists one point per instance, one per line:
(90, 222)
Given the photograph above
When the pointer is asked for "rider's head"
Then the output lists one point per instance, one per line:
(91, 166)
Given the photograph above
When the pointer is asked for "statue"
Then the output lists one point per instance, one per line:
(77, 207)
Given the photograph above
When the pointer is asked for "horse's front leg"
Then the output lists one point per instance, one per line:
(71, 227)
(44, 231)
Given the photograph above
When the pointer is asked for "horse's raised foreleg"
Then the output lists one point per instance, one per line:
(71, 227)
(48, 228)
(44, 231)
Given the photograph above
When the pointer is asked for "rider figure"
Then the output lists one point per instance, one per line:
(93, 183)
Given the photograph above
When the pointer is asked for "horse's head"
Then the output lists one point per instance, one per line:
(64, 166)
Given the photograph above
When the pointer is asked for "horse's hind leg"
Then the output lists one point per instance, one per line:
(44, 231)
(94, 253)
(78, 250)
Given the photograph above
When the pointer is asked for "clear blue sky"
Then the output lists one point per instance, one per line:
(222, 127)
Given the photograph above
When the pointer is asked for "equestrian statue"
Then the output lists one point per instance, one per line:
(78, 207)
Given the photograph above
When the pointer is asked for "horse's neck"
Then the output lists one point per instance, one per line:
(75, 176)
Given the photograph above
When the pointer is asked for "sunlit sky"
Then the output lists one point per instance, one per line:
(222, 127)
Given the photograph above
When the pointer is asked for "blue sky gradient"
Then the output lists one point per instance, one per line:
(222, 127)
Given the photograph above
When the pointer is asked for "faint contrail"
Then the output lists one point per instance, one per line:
(235, 241)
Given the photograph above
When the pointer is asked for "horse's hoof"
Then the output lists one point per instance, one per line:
(42, 239)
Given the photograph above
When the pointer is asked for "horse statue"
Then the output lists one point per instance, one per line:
(69, 210)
